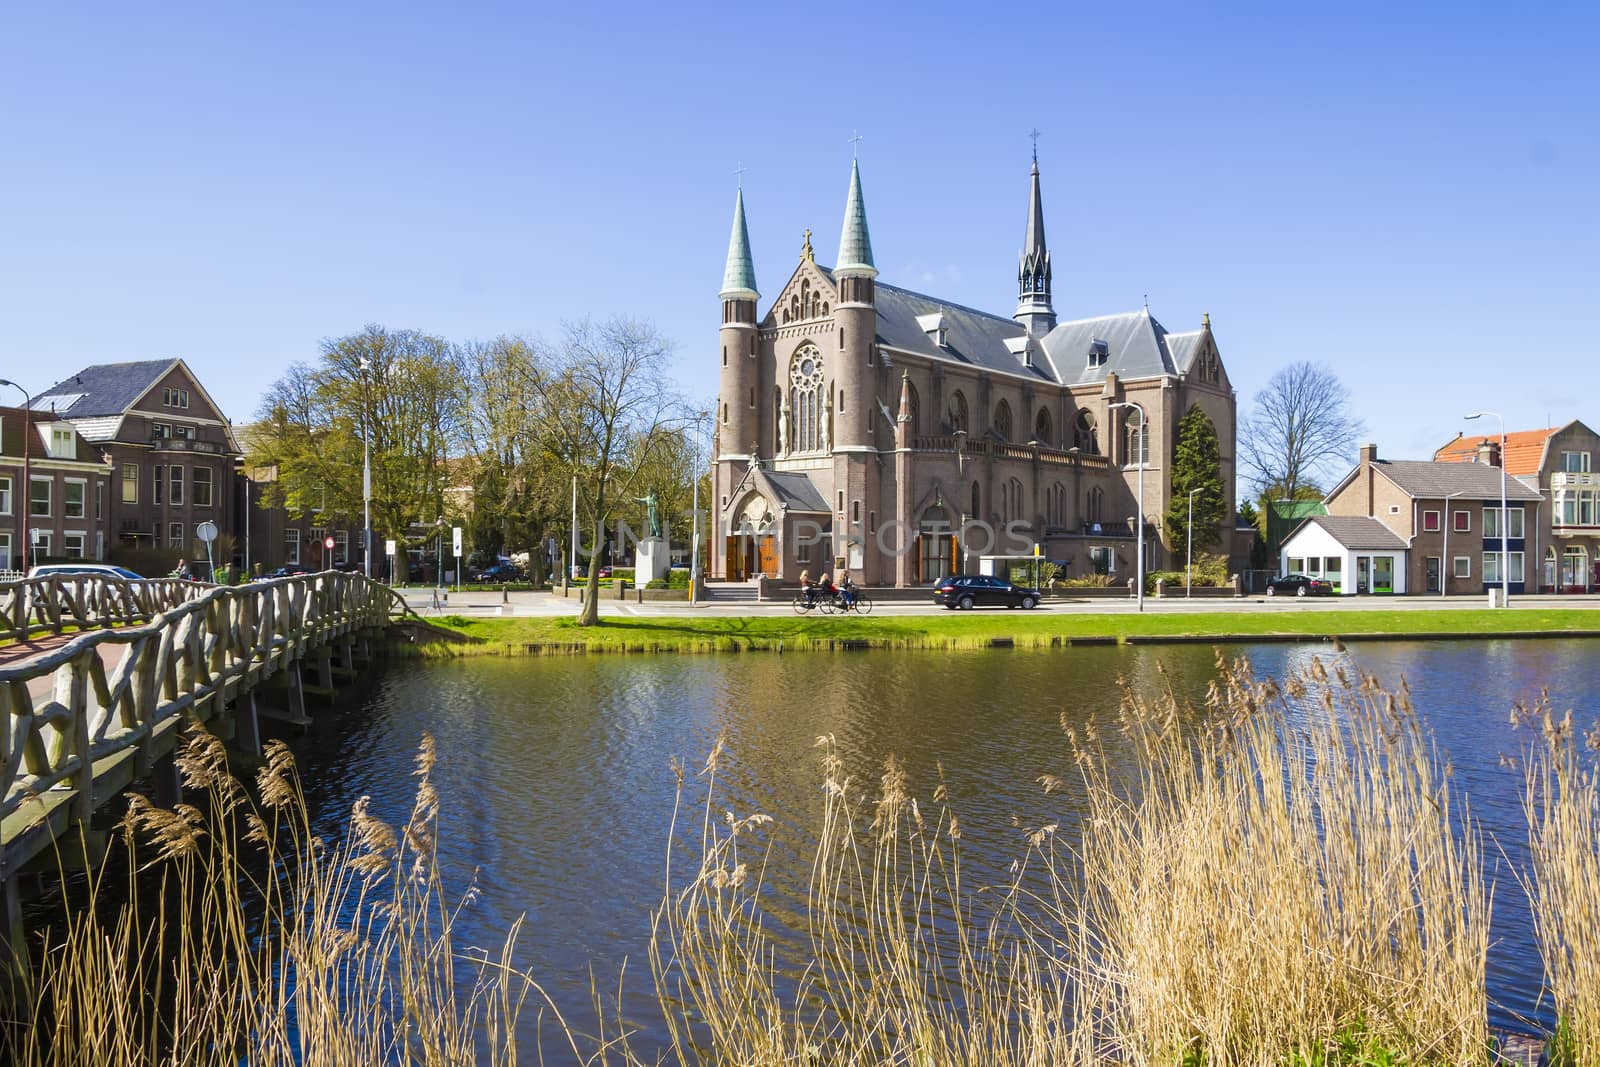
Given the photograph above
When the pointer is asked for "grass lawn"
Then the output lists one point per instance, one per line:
(524, 636)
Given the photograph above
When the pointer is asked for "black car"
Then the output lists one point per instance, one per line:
(288, 570)
(968, 591)
(1299, 585)
(500, 572)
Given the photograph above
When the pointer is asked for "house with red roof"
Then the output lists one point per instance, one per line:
(1562, 464)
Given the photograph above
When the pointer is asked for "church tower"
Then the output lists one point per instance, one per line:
(1033, 271)
(856, 317)
(738, 419)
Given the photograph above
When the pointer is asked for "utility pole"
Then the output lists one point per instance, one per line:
(23, 501)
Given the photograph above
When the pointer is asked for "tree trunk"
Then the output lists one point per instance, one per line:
(590, 615)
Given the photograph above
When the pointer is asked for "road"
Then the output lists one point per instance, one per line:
(546, 604)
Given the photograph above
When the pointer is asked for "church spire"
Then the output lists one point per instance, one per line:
(1034, 309)
(855, 245)
(739, 277)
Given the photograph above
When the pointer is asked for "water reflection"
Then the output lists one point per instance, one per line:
(559, 796)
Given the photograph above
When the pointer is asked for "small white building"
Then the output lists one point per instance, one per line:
(1355, 553)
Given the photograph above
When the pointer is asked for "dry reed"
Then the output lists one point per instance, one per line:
(264, 944)
(1562, 803)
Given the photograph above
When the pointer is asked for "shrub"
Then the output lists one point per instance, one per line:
(656, 583)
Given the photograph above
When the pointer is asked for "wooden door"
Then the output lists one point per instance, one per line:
(733, 559)
(767, 549)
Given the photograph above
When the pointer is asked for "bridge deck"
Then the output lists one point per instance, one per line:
(92, 701)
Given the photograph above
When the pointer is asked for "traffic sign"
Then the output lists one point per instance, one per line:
(327, 542)
(206, 531)
(389, 548)
(455, 540)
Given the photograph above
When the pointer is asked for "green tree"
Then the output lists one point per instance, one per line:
(1196, 465)
(606, 410)
(400, 390)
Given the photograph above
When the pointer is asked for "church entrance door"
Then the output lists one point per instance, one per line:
(767, 548)
(738, 558)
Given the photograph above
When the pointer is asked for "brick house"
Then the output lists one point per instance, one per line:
(64, 503)
(1442, 523)
(171, 455)
(1562, 463)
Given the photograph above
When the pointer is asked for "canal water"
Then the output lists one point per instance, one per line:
(558, 790)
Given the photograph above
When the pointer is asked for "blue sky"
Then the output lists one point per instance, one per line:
(1407, 196)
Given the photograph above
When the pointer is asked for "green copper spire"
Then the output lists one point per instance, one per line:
(739, 279)
(855, 246)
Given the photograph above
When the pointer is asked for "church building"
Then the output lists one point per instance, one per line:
(866, 427)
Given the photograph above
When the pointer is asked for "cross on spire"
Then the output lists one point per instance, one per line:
(738, 173)
(855, 141)
(1034, 136)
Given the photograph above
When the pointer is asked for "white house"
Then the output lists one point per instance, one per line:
(1356, 553)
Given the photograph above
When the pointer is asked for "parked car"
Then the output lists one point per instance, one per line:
(967, 591)
(103, 570)
(288, 570)
(500, 572)
(1299, 585)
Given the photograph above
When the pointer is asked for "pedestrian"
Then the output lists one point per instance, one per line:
(182, 571)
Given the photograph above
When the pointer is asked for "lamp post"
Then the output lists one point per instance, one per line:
(366, 473)
(24, 499)
(1188, 565)
(1505, 538)
(694, 551)
(1138, 519)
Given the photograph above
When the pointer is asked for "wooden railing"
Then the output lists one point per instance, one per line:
(88, 717)
(54, 603)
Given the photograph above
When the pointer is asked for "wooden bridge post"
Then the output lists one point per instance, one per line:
(247, 736)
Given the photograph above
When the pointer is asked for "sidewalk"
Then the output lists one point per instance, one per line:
(547, 604)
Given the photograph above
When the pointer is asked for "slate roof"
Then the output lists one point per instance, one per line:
(1430, 480)
(792, 490)
(1524, 449)
(103, 389)
(1182, 347)
(972, 337)
(1355, 531)
(1136, 343)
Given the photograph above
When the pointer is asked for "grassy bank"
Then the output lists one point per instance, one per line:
(558, 636)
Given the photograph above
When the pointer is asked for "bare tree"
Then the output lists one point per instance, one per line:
(1300, 425)
(608, 408)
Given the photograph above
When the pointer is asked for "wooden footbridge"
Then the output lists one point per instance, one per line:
(97, 675)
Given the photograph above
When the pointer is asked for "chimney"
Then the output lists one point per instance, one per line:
(1489, 453)
(1369, 455)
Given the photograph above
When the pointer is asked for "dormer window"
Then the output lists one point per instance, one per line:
(1099, 352)
(934, 326)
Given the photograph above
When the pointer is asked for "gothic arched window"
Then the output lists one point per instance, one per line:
(1135, 438)
(1084, 437)
(1002, 421)
(806, 394)
(1093, 505)
(914, 405)
(1042, 427)
(958, 412)
(977, 503)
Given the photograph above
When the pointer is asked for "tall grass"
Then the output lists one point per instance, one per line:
(262, 943)
(1287, 877)
(1282, 880)
(1562, 803)
(1282, 876)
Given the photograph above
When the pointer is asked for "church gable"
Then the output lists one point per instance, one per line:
(810, 294)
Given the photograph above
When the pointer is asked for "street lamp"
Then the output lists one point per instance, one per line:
(1188, 566)
(366, 473)
(1139, 519)
(1505, 541)
(694, 554)
(24, 499)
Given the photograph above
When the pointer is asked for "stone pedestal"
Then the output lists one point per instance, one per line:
(652, 560)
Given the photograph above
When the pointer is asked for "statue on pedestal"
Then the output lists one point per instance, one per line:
(652, 517)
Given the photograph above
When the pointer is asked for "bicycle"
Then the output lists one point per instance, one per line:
(805, 602)
(859, 602)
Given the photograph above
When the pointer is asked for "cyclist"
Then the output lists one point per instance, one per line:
(847, 590)
(807, 589)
